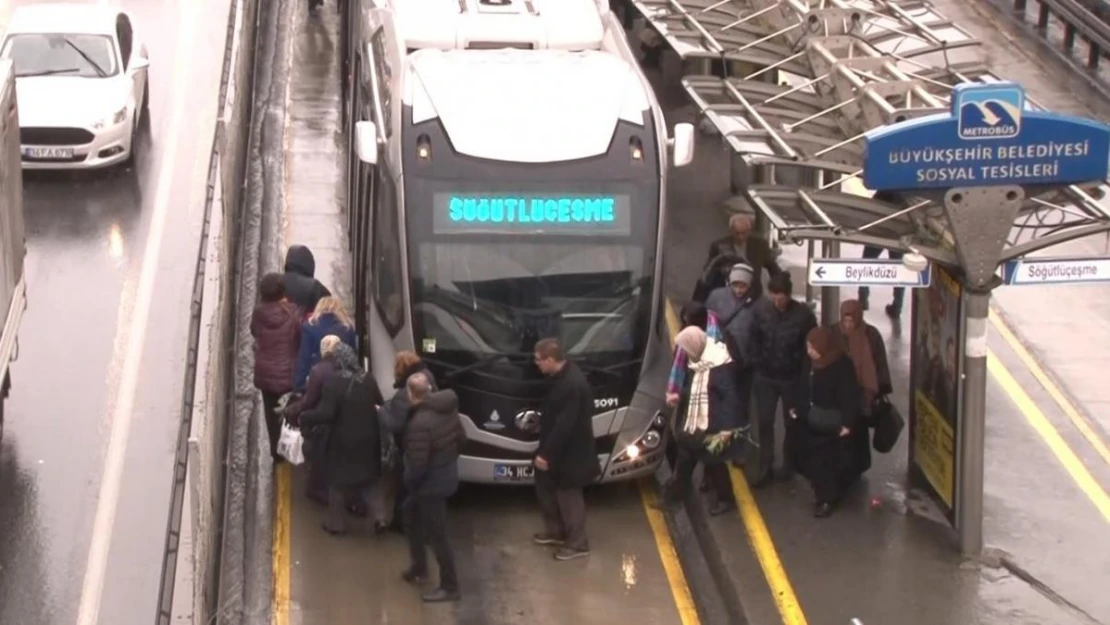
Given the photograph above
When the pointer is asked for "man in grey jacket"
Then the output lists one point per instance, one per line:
(734, 307)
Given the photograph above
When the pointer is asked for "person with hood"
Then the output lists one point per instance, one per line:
(828, 411)
(348, 407)
(566, 459)
(394, 416)
(734, 308)
(330, 317)
(301, 286)
(433, 436)
(276, 328)
(865, 347)
(705, 399)
(778, 356)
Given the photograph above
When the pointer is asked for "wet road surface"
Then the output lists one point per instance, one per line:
(884, 557)
(505, 579)
(89, 297)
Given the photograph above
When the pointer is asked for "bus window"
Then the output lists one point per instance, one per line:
(386, 270)
(385, 77)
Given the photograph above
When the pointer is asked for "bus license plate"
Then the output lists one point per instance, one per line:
(513, 472)
(48, 152)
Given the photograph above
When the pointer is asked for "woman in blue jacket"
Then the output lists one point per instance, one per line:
(330, 317)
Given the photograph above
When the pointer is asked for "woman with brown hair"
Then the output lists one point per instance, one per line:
(829, 407)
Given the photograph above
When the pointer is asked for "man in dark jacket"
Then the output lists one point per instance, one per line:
(301, 286)
(738, 246)
(778, 354)
(276, 328)
(432, 440)
(566, 461)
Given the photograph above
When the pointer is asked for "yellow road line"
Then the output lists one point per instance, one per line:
(1080, 421)
(672, 567)
(764, 547)
(281, 545)
(759, 537)
(1072, 464)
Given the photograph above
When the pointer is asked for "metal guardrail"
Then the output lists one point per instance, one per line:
(1075, 32)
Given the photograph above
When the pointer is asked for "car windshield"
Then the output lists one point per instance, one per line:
(83, 56)
(483, 297)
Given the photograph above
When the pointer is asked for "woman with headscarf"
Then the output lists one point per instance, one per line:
(704, 397)
(829, 408)
(351, 450)
(864, 345)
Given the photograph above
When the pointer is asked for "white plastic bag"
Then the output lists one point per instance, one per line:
(290, 444)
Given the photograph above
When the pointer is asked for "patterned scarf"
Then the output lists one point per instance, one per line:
(715, 354)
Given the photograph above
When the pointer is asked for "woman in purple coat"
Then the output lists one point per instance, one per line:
(276, 328)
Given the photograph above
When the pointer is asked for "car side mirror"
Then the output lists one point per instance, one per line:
(682, 145)
(366, 142)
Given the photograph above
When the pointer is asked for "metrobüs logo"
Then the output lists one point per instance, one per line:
(990, 111)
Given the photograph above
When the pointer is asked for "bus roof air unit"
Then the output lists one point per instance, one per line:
(496, 24)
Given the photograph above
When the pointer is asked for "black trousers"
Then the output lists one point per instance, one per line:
(769, 394)
(564, 512)
(273, 419)
(426, 524)
(899, 292)
(716, 473)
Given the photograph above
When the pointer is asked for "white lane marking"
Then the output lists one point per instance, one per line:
(88, 612)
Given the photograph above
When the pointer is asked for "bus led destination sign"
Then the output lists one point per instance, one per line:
(988, 138)
(531, 213)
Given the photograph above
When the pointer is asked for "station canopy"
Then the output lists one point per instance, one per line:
(804, 80)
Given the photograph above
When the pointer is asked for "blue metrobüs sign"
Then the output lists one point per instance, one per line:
(988, 138)
(531, 213)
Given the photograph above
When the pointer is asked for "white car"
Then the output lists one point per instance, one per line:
(81, 83)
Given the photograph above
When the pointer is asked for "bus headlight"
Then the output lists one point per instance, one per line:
(632, 452)
(651, 440)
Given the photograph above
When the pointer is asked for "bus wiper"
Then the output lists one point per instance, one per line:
(456, 370)
(610, 370)
(88, 59)
(47, 72)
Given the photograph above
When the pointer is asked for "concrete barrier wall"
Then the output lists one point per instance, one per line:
(193, 590)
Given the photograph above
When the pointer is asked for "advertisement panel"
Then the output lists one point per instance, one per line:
(935, 371)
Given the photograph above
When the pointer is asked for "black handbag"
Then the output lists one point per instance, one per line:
(824, 420)
(888, 425)
(316, 441)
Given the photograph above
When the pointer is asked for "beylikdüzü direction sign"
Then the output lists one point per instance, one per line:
(841, 272)
(988, 138)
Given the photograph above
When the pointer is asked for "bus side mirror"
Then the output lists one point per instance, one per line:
(366, 142)
(682, 145)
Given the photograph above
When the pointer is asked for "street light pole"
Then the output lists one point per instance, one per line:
(972, 424)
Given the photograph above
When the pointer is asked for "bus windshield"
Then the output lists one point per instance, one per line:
(496, 267)
(499, 297)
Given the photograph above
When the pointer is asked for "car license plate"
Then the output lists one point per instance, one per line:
(513, 472)
(57, 153)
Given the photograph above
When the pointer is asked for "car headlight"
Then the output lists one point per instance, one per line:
(112, 120)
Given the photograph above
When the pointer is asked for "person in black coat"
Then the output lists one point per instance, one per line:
(433, 436)
(828, 408)
(301, 286)
(348, 408)
(566, 460)
(394, 417)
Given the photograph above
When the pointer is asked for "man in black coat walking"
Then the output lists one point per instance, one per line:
(566, 460)
(432, 440)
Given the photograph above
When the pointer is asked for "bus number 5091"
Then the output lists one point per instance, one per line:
(607, 402)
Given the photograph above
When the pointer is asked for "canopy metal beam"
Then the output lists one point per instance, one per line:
(849, 66)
